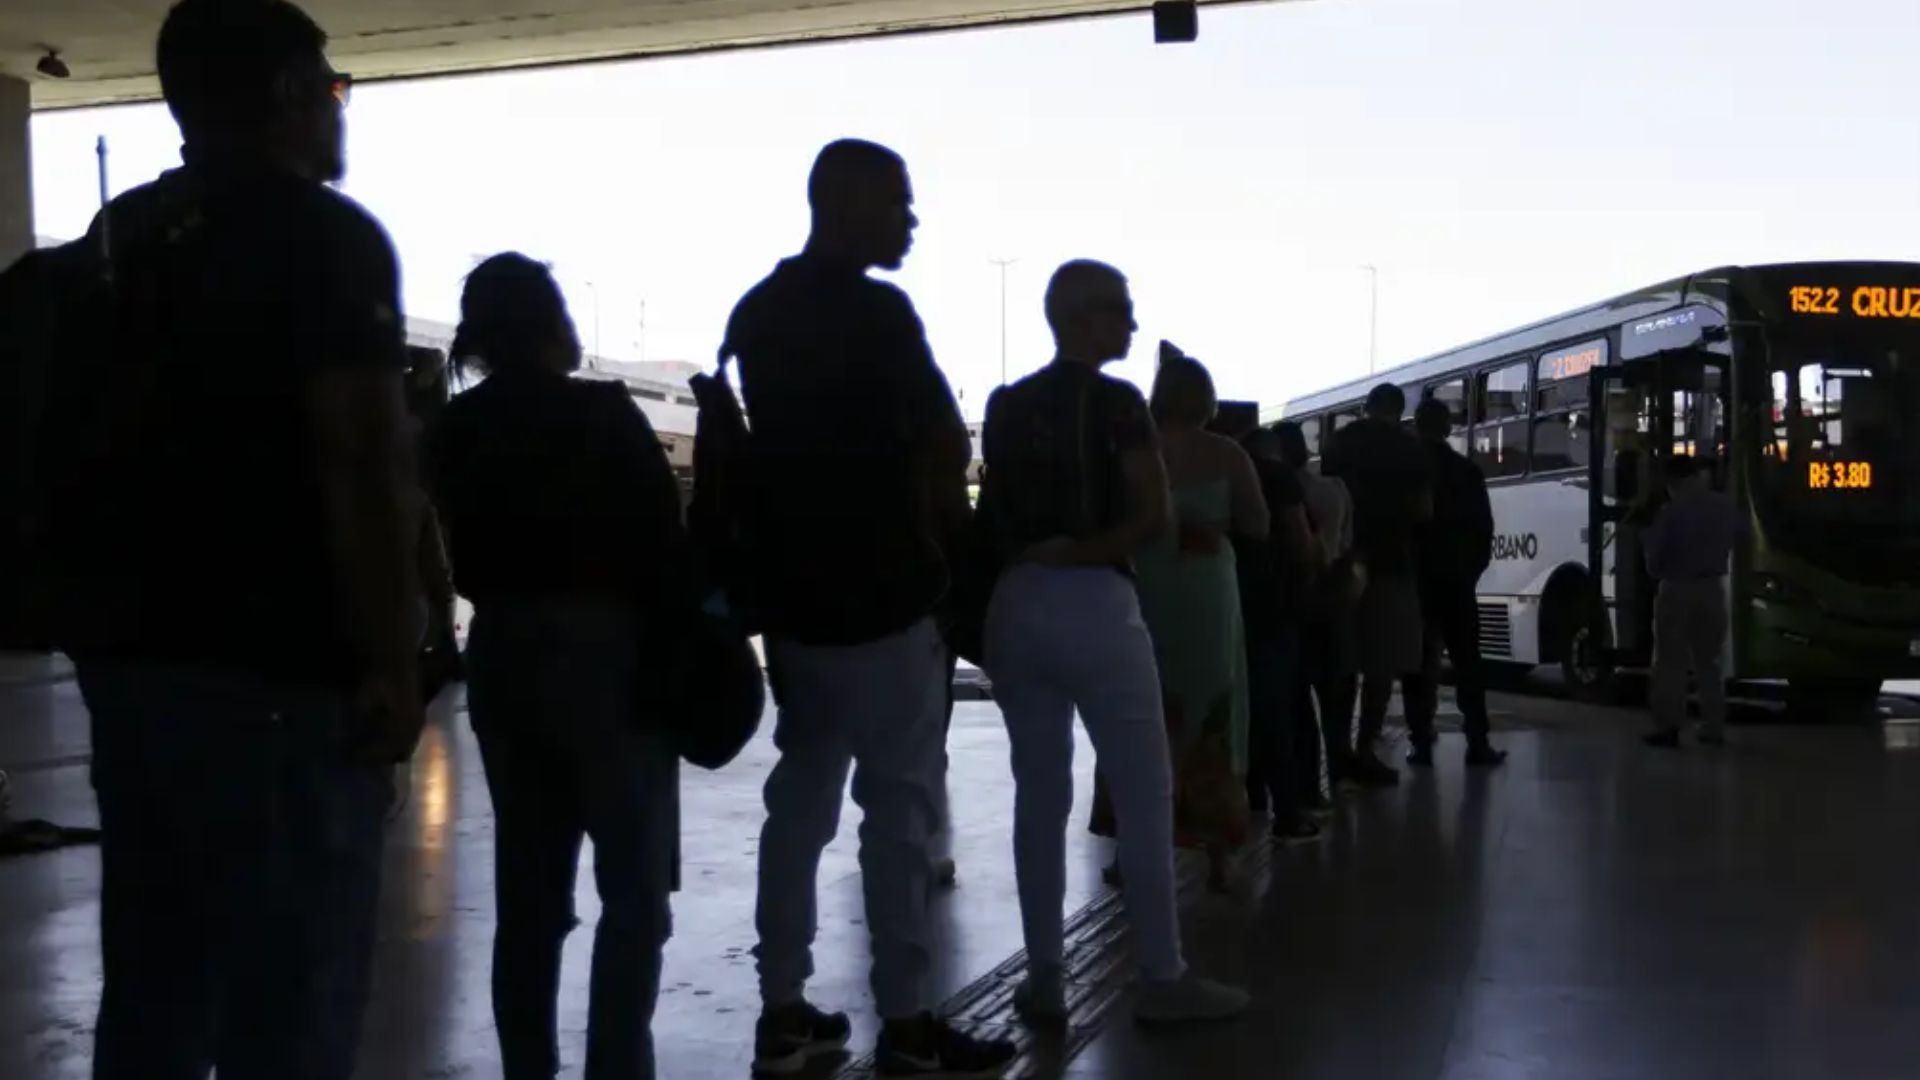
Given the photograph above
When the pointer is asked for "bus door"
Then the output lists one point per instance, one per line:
(1644, 410)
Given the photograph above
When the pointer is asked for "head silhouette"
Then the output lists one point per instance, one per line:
(1386, 402)
(1433, 421)
(1090, 313)
(250, 79)
(862, 205)
(1183, 394)
(1293, 443)
(513, 319)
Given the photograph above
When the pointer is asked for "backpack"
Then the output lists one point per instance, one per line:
(55, 307)
(716, 516)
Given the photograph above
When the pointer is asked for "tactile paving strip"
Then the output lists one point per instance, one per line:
(1099, 968)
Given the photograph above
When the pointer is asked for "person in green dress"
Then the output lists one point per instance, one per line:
(1189, 593)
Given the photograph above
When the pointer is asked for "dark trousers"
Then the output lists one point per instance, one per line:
(1327, 677)
(1452, 615)
(554, 698)
(1273, 773)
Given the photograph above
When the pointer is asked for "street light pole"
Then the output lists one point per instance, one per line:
(1373, 317)
(1003, 264)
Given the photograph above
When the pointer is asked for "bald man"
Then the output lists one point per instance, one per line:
(858, 480)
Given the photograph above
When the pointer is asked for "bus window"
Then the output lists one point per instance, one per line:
(1310, 431)
(1453, 394)
(1500, 433)
(1562, 417)
(1344, 417)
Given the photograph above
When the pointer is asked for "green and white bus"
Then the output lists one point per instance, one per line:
(1798, 383)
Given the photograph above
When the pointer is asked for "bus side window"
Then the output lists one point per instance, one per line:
(1453, 394)
(1501, 426)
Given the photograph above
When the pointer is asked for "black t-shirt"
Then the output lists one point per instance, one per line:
(1053, 445)
(1267, 586)
(842, 393)
(208, 541)
(1457, 545)
(1385, 469)
(549, 486)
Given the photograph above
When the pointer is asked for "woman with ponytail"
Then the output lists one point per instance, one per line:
(562, 520)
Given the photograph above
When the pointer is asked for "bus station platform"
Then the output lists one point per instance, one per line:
(1595, 909)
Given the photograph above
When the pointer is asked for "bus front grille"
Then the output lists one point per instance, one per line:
(1496, 630)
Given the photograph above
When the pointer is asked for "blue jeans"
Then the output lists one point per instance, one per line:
(553, 690)
(240, 865)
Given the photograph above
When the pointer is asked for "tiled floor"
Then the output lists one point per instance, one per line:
(1591, 911)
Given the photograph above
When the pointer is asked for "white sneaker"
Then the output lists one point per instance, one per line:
(1188, 999)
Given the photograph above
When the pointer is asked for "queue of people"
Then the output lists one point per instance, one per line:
(1207, 606)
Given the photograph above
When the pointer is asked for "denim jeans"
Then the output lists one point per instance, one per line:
(1060, 640)
(553, 691)
(240, 867)
(875, 709)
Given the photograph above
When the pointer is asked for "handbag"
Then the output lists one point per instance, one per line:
(705, 668)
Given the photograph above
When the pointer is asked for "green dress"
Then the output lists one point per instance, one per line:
(1190, 595)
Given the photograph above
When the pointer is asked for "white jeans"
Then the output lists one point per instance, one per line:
(1689, 631)
(877, 708)
(1057, 639)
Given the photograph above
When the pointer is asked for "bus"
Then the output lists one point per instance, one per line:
(1797, 384)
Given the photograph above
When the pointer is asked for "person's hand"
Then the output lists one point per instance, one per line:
(389, 714)
(1057, 551)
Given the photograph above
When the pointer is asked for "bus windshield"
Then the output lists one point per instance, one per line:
(1839, 480)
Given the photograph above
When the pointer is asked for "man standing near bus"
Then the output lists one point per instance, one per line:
(1689, 547)
(1455, 548)
(1388, 474)
(841, 386)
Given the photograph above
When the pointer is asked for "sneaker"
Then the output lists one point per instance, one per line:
(945, 874)
(1303, 831)
(1484, 756)
(1041, 999)
(1371, 772)
(789, 1037)
(1421, 756)
(927, 1047)
(1664, 739)
(1188, 999)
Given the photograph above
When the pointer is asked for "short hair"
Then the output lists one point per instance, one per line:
(1073, 286)
(843, 162)
(1183, 392)
(219, 60)
(1681, 467)
(1293, 443)
(1433, 418)
(1386, 400)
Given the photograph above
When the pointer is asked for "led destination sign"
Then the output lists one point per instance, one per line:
(1859, 301)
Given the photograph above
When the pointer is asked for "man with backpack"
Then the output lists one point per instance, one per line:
(856, 484)
(231, 502)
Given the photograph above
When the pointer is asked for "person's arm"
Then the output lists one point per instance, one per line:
(353, 354)
(931, 425)
(1247, 504)
(1479, 517)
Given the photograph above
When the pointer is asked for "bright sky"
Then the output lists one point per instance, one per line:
(1498, 160)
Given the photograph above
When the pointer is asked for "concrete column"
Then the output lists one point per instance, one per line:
(16, 170)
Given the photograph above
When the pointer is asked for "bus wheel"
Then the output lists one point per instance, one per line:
(1834, 700)
(1584, 666)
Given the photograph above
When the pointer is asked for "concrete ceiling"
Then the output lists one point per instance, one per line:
(108, 44)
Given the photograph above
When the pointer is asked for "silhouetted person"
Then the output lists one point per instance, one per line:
(563, 517)
(1689, 547)
(1275, 573)
(859, 482)
(427, 396)
(1327, 645)
(1387, 471)
(1190, 594)
(246, 622)
(1455, 548)
(1074, 489)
